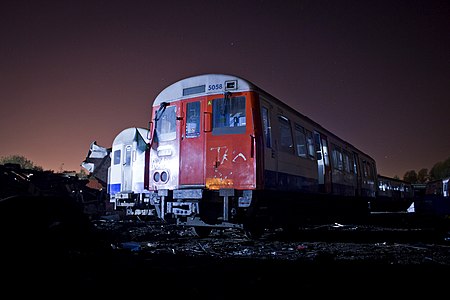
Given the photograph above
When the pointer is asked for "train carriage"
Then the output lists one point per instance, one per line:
(225, 153)
(435, 199)
(128, 172)
(393, 195)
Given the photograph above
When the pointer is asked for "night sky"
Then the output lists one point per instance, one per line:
(376, 73)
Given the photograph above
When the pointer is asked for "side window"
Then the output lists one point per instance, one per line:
(334, 157)
(318, 148)
(229, 115)
(286, 143)
(368, 170)
(116, 158)
(382, 186)
(300, 140)
(325, 152)
(337, 158)
(266, 127)
(193, 119)
(355, 163)
(310, 141)
(446, 187)
(351, 162)
(365, 171)
(347, 162)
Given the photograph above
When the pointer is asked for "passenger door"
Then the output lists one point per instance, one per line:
(192, 147)
(358, 174)
(323, 162)
(270, 150)
(127, 170)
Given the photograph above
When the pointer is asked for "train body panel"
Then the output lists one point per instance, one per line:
(288, 163)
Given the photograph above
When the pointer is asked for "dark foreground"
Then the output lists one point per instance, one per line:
(63, 254)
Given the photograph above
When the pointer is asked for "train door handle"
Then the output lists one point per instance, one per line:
(252, 145)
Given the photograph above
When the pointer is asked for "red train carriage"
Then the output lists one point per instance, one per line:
(434, 200)
(225, 153)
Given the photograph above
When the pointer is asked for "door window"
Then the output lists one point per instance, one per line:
(192, 119)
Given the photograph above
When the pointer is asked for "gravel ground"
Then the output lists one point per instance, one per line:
(111, 257)
(330, 242)
(344, 260)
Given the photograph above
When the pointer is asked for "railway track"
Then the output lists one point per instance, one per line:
(342, 243)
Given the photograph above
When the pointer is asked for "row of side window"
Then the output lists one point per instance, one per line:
(343, 160)
(299, 141)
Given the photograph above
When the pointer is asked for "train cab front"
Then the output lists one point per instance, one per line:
(177, 194)
(164, 155)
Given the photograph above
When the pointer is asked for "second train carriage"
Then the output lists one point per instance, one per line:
(128, 172)
(393, 195)
(225, 153)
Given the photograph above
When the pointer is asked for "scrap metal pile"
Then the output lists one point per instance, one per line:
(16, 181)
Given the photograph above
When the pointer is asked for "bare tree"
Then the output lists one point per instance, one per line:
(410, 176)
(422, 175)
(440, 170)
(20, 160)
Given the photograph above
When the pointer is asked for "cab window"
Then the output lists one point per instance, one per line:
(166, 124)
(229, 115)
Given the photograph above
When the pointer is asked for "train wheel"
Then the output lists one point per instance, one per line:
(202, 231)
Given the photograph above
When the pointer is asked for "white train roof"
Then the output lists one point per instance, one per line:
(206, 84)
